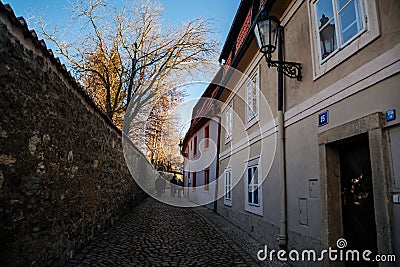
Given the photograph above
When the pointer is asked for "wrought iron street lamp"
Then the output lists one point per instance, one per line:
(269, 38)
(268, 33)
(181, 148)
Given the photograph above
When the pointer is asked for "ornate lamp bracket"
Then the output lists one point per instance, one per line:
(290, 69)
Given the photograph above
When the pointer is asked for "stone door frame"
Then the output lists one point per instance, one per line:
(331, 207)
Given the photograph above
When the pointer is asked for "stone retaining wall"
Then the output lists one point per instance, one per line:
(63, 176)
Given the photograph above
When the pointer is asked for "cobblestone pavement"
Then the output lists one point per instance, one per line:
(247, 245)
(156, 234)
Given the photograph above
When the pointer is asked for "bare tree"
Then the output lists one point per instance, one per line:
(170, 141)
(128, 57)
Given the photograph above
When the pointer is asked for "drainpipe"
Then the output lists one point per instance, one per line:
(281, 148)
(217, 167)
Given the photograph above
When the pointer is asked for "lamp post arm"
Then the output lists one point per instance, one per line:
(290, 69)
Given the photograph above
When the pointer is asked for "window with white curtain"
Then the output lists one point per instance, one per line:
(228, 184)
(252, 98)
(229, 122)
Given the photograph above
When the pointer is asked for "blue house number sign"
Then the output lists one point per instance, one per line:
(323, 118)
(390, 115)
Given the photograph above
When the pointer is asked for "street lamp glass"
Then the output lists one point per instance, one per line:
(266, 31)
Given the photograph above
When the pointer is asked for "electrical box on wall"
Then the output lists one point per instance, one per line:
(313, 187)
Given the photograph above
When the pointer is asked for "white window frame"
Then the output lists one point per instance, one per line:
(254, 80)
(228, 186)
(338, 31)
(229, 122)
(253, 184)
(369, 33)
(195, 146)
(256, 208)
(206, 186)
(206, 139)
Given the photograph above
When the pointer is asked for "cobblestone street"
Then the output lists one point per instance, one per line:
(156, 234)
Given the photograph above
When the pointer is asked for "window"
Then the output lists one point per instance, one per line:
(228, 184)
(207, 179)
(194, 183)
(339, 21)
(339, 29)
(252, 185)
(207, 136)
(252, 98)
(195, 146)
(228, 121)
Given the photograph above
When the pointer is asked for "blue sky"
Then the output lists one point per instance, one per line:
(221, 13)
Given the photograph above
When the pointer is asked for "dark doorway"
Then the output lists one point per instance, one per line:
(358, 212)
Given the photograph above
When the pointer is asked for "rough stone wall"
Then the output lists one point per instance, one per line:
(63, 176)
